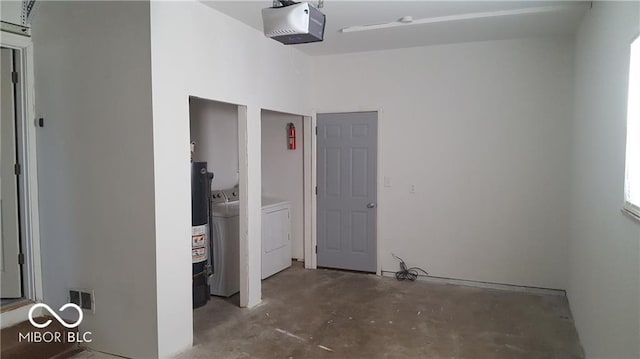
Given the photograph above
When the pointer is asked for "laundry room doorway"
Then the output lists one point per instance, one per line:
(286, 180)
(214, 150)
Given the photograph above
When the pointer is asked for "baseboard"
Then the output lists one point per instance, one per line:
(480, 284)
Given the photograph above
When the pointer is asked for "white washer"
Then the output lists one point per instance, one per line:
(225, 280)
(276, 242)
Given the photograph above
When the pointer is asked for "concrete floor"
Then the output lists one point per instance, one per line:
(336, 314)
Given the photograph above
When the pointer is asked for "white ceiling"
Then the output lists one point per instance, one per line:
(342, 14)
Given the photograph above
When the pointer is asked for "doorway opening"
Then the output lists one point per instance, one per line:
(214, 146)
(19, 249)
(12, 286)
(283, 197)
(347, 193)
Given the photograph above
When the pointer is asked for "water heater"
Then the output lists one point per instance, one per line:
(200, 233)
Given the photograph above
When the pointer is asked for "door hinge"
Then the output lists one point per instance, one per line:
(21, 258)
(316, 130)
(14, 77)
(316, 248)
(17, 169)
(316, 190)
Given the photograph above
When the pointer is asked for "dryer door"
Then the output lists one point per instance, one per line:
(276, 240)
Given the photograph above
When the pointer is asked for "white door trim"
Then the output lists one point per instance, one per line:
(308, 126)
(32, 274)
(314, 179)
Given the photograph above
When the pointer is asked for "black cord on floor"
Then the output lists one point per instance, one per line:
(408, 273)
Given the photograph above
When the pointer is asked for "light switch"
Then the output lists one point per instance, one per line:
(387, 181)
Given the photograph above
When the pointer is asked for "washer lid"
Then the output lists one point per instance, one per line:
(227, 209)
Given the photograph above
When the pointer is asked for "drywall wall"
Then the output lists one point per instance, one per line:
(604, 273)
(282, 170)
(481, 129)
(214, 128)
(95, 166)
(193, 54)
(11, 12)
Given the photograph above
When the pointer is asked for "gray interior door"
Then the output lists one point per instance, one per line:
(347, 193)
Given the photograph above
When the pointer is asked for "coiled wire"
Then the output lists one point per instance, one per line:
(408, 273)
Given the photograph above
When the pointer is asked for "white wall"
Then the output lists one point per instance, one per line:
(481, 129)
(604, 275)
(11, 12)
(282, 170)
(214, 127)
(95, 166)
(199, 51)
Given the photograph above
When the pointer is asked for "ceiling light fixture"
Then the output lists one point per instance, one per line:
(408, 20)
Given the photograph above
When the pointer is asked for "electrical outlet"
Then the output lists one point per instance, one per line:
(412, 188)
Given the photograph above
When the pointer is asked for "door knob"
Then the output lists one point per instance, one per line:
(371, 205)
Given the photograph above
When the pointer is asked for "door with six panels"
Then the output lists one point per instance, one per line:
(347, 193)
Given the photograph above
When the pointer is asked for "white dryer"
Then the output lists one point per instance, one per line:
(276, 236)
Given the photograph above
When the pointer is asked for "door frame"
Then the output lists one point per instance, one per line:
(308, 184)
(314, 179)
(28, 180)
